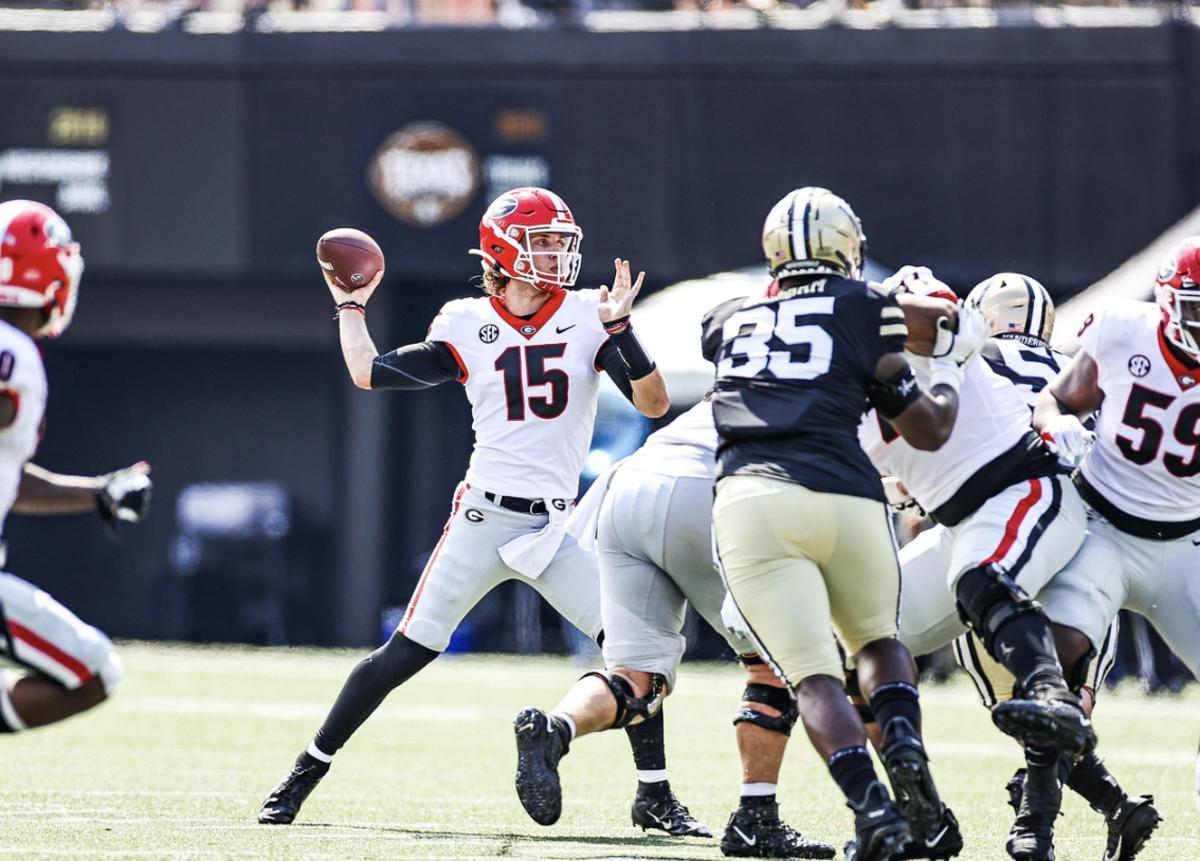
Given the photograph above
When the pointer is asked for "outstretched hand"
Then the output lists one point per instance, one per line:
(617, 302)
(362, 295)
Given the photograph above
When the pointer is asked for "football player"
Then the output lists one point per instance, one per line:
(528, 355)
(803, 535)
(1141, 478)
(651, 520)
(65, 666)
(991, 413)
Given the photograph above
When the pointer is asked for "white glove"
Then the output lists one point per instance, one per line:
(733, 620)
(125, 495)
(1068, 438)
(962, 343)
(919, 281)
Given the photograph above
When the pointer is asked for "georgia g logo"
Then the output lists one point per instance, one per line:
(489, 333)
(1139, 365)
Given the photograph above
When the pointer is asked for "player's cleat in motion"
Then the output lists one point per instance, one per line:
(667, 814)
(540, 745)
(758, 832)
(907, 766)
(945, 842)
(880, 829)
(1032, 835)
(1050, 717)
(1130, 825)
(284, 802)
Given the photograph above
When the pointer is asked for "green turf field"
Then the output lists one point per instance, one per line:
(177, 764)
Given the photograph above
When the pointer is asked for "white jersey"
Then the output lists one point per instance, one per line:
(686, 448)
(1027, 362)
(992, 418)
(22, 381)
(532, 386)
(1146, 460)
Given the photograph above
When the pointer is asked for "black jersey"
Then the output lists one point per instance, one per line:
(794, 374)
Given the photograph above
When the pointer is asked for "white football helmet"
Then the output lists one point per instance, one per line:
(1012, 302)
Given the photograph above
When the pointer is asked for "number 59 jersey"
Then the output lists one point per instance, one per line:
(532, 386)
(1146, 459)
(793, 376)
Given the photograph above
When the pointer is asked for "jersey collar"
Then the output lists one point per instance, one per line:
(1186, 376)
(529, 328)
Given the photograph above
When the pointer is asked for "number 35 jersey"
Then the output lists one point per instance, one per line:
(793, 375)
(1146, 459)
(532, 386)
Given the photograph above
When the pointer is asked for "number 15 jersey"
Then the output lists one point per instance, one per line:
(532, 386)
(793, 379)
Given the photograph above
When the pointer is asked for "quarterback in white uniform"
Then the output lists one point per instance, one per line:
(65, 666)
(650, 519)
(528, 355)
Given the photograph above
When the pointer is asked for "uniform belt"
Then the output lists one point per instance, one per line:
(517, 504)
(1127, 523)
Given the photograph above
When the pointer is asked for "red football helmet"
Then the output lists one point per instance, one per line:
(40, 265)
(1177, 289)
(509, 225)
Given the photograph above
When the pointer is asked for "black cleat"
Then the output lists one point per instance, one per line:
(1130, 826)
(1050, 717)
(758, 832)
(284, 802)
(666, 814)
(1032, 835)
(945, 842)
(1015, 789)
(539, 748)
(880, 829)
(907, 766)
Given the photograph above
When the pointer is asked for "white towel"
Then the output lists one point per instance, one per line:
(529, 554)
(585, 519)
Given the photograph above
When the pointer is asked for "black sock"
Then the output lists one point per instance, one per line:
(1041, 774)
(646, 740)
(1025, 646)
(896, 699)
(376, 676)
(757, 800)
(1092, 781)
(854, 772)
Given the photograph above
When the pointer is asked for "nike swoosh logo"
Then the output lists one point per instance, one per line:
(930, 842)
(561, 329)
(750, 841)
(1196, 541)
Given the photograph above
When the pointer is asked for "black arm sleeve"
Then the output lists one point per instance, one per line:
(416, 366)
(609, 360)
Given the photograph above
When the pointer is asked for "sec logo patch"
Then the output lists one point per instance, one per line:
(489, 333)
(1139, 365)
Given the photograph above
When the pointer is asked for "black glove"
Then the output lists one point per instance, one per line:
(125, 496)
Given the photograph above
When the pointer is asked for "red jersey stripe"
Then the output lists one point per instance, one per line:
(29, 638)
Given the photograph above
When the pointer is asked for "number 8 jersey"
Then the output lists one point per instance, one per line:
(1146, 459)
(532, 386)
(793, 376)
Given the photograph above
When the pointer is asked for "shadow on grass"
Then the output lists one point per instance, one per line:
(506, 837)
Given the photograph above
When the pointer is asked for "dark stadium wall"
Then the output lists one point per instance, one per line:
(210, 164)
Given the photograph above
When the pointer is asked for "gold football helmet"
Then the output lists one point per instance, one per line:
(1012, 302)
(813, 231)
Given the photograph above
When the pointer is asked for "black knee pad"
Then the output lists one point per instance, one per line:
(629, 707)
(399, 659)
(777, 698)
(987, 598)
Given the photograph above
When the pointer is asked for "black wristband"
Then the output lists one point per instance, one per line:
(617, 326)
(637, 360)
(342, 306)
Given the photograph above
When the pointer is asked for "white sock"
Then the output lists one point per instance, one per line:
(11, 718)
(565, 718)
(316, 753)
(758, 789)
(657, 775)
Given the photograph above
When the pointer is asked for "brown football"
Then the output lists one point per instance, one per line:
(350, 257)
(921, 314)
